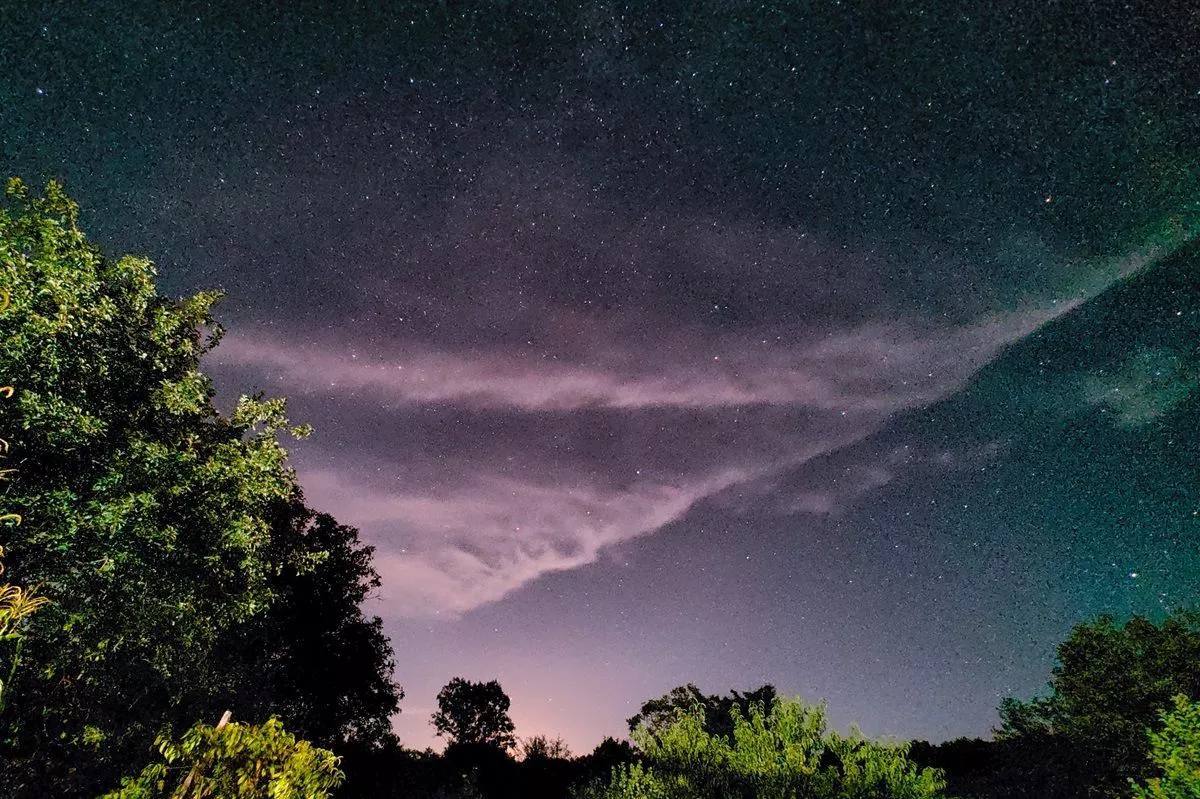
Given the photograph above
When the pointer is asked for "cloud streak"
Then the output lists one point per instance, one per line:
(506, 501)
(871, 370)
(482, 463)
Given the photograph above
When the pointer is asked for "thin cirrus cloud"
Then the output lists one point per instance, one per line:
(506, 501)
(476, 470)
(875, 369)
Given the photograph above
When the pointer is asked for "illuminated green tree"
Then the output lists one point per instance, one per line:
(1175, 752)
(781, 751)
(169, 538)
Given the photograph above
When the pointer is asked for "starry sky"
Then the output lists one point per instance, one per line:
(851, 347)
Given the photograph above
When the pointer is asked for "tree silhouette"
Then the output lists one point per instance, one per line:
(474, 713)
(687, 699)
(312, 657)
(1111, 684)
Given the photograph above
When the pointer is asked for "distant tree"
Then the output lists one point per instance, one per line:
(783, 750)
(1110, 685)
(235, 761)
(311, 657)
(474, 713)
(540, 747)
(608, 754)
(1175, 753)
(687, 699)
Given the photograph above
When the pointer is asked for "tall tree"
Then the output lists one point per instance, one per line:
(474, 713)
(150, 520)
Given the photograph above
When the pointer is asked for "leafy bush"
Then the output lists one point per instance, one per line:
(783, 750)
(1175, 750)
(235, 761)
(16, 605)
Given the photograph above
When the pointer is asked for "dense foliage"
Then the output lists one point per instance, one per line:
(235, 761)
(1175, 752)
(783, 750)
(315, 661)
(167, 538)
(1111, 682)
(17, 604)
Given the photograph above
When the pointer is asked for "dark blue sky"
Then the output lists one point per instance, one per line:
(850, 350)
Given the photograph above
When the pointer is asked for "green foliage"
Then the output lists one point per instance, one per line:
(779, 751)
(473, 713)
(1110, 685)
(1175, 751)
(146, 512)
(236, 761)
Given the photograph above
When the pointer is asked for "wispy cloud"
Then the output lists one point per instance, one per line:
(742, 408)
(873, 369)
(476, 469)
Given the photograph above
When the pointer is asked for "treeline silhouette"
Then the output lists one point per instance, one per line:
(163, 569)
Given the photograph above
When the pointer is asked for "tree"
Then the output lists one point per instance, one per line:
(474, 713)
(235, 761)
(1109, 686)
(1175, 752)
(316, 661)
(778, 751)
(539, 747)
(151, 522)
(687, 699)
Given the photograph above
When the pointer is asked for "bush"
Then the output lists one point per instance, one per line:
(1175, 750)
(235, 761)
(783, 750)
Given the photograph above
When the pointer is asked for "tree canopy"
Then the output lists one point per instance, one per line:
(688, 699)
(474, 713)
(1108, 688)
(1175, 752)
(235, 761)
(781, 750)
(164, 534)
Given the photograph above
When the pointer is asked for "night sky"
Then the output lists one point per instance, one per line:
(849, 347)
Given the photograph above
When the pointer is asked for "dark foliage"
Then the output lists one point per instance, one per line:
(656, 713)
(312, 658)
(474, 713)
(475, 770)
(1088, 736)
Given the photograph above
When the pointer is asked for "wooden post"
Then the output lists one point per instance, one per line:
(187, 783)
